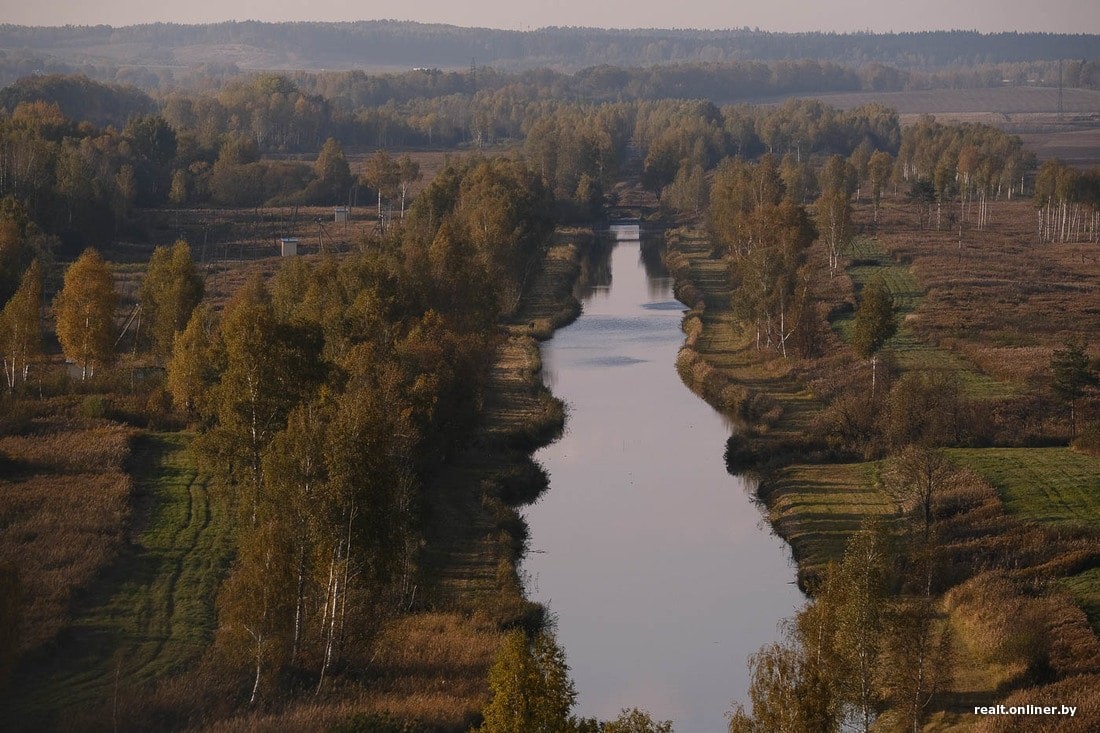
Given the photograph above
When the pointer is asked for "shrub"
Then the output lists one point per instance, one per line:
(1088, 441)
(95, 406)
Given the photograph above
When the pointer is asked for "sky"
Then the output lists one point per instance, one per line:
(1066, 16)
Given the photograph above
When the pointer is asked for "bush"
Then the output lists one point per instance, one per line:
(95, 406)
(1088, 441)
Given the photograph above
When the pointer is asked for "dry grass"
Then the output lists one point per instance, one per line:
(999, 299)
(63, 515)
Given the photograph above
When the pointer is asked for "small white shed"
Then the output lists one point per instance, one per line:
(289, 246)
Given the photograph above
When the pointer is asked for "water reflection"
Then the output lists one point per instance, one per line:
(648, 552)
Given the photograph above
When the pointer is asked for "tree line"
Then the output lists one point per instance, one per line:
(329, 397)
(394, 43)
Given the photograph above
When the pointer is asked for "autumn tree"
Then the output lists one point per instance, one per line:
(85, 309)
(383, 174)
(875, 324)
(169, 293)
(408, 173)
(21, 329)
(530, 686)
(879, 168)
(269, 366)
(857, 591)
(636, 721)
(331, 168)
(194, 364)
(834, 210)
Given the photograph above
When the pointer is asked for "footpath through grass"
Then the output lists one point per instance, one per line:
(913, 354)
(152, 613)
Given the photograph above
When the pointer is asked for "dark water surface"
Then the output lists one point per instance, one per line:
(655, 561)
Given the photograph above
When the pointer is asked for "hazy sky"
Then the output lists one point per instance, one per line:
(1072, 16)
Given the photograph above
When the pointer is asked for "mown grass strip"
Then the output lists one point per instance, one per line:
(153, 612)
(868, 263)
(817, 507)
(1042, 484)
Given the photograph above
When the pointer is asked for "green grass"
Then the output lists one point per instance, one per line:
(1085, 589)
(817, 507)
(1042, 484)
(912, 353)
(153, 612)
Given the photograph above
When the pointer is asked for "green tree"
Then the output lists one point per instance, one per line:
(530, 686)
(85, 310)
(171, 290)
(1073, 375)
(331, 167)
(636, 721)
(875, 323)
(20, 327)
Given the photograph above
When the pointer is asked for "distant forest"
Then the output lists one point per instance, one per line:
(395, 45)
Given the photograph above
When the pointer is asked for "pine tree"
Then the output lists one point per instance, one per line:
(1073, 374)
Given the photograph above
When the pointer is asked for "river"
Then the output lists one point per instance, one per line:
(656, 563)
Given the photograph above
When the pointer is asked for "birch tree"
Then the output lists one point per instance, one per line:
(85, 309)
(21, 328)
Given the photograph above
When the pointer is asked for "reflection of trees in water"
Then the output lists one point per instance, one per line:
(652, 254)
(595, 267)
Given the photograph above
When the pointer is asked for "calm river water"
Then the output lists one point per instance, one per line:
(658, 566)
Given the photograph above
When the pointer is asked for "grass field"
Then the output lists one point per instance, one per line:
(1042, 484)
(152, 611)
(913, 353)
(817, 507)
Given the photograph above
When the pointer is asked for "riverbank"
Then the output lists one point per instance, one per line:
(999, 552)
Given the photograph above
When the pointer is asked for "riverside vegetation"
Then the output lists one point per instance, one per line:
(281, 496)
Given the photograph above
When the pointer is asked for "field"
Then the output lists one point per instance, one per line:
(869, 263)
(151, 611)
(996, 297)
(817, 507)
(1040, 484)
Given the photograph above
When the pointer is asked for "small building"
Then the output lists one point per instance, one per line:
(288, 246)
(343, 214)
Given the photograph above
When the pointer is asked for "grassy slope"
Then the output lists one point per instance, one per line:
(152, 612)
